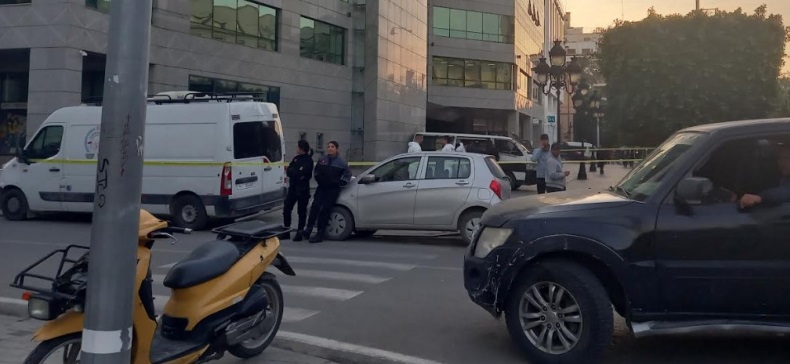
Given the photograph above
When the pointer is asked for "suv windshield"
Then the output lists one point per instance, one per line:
(647, 177)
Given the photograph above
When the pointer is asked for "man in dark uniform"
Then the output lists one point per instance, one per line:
(299, 173)
(331, 173)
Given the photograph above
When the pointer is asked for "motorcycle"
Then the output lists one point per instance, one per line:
(222, 299)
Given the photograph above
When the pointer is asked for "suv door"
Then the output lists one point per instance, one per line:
(713, 258)
(389, 200)
(444, 189)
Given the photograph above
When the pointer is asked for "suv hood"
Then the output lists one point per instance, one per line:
(527, 206)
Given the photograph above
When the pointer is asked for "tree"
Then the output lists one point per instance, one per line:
(782, 108)
(664, 73)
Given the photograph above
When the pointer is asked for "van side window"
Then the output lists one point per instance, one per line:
(508, 147)
(46, 143)
(257, 139)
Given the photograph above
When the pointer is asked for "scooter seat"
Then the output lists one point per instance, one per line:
(205, 263)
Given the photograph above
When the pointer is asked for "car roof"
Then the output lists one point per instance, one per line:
(738, 126)
(443, 154)
(465, 135)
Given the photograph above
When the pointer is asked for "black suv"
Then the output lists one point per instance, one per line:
(671, 247)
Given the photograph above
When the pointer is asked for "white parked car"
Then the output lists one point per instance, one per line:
(434, 191)
(205, 156)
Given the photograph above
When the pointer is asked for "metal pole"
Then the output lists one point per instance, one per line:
(107, 335)
(598, 132)
(559, 127)
(697, 5)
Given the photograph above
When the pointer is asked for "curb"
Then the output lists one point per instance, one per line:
(314, 346)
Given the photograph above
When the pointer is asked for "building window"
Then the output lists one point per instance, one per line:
(473, 25)
(14, 2)
(525, 83)
(218, 86)
(101, 5)
(13, 111)
(472, 73)
(322, 41)
(236, 21)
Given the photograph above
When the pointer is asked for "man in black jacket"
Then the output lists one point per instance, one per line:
(299, 173)
(331, 173)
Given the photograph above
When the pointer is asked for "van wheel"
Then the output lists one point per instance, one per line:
(340, 225)
(514, 183)
(14, 205)
(559, 312)
(189, 212)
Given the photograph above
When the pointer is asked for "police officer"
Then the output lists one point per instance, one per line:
(299, 173)
(331, 173)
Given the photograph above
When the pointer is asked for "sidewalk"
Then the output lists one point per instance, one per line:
(16, 344)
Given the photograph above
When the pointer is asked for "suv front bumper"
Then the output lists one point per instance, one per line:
(483, 278)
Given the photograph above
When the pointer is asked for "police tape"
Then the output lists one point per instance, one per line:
(284, 164)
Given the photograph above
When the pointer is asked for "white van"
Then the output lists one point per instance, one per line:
(511, 153)
(205, 157)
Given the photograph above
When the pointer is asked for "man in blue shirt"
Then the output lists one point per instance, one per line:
(777, 195)
(541, 156)
(332, 174)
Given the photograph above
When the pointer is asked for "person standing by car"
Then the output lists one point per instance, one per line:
(332, 173)
(448, 145)
(299, 173)
(555, 176)
(540, 156)
(415, 146)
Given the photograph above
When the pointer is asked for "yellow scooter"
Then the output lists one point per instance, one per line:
(222, 299)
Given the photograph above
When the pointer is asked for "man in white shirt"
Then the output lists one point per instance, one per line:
(448, 145)
(460, 148)
(415, 146)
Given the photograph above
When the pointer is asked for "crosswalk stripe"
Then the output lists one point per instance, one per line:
(287, 250)
(337, 276)
(355, 263)
(349, 262)
(290, 314)
(321, 292)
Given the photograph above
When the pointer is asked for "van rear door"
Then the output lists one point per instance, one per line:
(248, 161)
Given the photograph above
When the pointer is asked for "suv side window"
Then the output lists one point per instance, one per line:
(46, 144)
(403, 169)
(448, 168)
(508, 147)
(741, 166)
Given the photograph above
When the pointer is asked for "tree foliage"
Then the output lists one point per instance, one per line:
(664, 73)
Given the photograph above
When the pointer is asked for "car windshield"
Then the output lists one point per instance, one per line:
(643, 181)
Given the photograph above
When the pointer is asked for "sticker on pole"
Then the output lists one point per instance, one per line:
(551, 119)
(92, 143)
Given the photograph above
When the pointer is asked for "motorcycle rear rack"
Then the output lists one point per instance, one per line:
(251, 230)
(20, 279)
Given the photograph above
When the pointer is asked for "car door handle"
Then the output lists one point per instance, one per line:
(54, 169)
(409, 185)
(462, 183)
(267, 168)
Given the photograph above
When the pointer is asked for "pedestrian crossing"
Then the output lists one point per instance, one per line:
(325, 275)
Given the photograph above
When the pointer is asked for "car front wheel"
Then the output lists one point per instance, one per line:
(559, 312)
(340, 225)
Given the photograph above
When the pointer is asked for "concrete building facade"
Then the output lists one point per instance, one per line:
(359, 72)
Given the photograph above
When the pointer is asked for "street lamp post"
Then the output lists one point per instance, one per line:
(558, 75)
(597, 112)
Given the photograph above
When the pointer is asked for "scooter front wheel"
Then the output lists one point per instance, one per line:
(269, 326)
(61, 350)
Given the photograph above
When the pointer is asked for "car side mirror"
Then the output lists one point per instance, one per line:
(20, 156)
(692, 190)
(367, 179)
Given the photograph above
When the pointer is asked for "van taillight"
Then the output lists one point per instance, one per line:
(496, 186)
(226, 184)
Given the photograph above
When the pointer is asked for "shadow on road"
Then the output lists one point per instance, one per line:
(700, 349)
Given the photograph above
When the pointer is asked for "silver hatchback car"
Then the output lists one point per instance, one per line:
(435, 191)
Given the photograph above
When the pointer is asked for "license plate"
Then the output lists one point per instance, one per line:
(245, 185)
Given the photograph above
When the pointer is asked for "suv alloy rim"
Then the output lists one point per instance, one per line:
(551, 318)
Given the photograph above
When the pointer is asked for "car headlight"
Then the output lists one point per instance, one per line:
(491, 238)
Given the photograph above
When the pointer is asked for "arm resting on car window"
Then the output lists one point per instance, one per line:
(776, 195)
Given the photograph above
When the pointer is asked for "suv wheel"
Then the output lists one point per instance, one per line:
(514, 183)
(559, 312)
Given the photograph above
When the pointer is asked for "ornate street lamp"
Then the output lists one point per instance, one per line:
(557, 76)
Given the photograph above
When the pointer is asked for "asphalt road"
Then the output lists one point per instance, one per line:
(398, 293)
